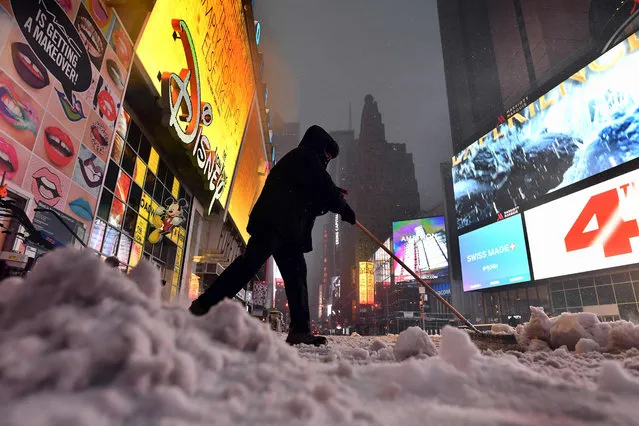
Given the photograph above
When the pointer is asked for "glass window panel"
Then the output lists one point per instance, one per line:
(124, 249)
(586, 282)
(624, 293)
(133, 138)
(116, 215)
(128, 159)
(97, 235)
(606, 295)
(140, 172)
(558, 299)
(602, 280)
(175, 188)
(118, 149)
(130, 220)
(123, 186)
(573, 298)
(588, 296)
(136, 253)
(149, 183)
(635, 275)
(104, 207)
(629, 312)
(622, 277)
(571, 284)
(162, 171)
(110, 241)
(123, 122)
(135, 197)
(145, 149)
(158, 192)
(154, 159)
(111, 179)
(556, 286)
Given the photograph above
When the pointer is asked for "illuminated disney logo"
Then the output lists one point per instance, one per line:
(184, 113)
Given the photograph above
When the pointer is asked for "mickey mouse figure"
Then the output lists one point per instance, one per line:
(166, 218)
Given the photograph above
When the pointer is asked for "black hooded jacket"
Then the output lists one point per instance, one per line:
(297, 190)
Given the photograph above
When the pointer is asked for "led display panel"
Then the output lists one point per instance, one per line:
(584, 126)
(421, 245)
(595, 228)
(494, 255)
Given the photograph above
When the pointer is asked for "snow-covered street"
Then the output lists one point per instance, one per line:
(81, 344)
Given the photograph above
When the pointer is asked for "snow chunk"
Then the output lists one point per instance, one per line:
(502, 329)
(456, 348)
(412, 342)
(377, 345)
(586, 345)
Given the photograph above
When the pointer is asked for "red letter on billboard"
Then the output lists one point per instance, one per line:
(603, 207)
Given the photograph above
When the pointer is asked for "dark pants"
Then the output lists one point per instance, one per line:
(291, 264)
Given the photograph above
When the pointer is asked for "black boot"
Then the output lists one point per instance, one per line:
(305, 338)
(197, 309)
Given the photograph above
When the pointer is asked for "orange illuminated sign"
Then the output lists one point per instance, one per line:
(201, 51)
(366, 283)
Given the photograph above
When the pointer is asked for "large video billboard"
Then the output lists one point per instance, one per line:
(494, 255)
(213, 39)
(586, 125)
(592, 229)
(421, 245)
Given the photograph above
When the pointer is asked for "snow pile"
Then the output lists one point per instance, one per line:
(413, 342)
(84, 345)
(502, 329)
(579, 331)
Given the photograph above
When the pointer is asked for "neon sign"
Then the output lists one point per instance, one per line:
(185, 114)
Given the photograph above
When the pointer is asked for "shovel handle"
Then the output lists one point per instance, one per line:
(450, 307)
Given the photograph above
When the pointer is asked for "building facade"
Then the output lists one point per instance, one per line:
(110, 152)
(550, 81)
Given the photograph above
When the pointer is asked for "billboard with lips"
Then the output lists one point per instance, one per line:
(64, 67)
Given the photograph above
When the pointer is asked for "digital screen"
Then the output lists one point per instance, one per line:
(592, 229)
(494, 255)
(421, 245)
(586, 125)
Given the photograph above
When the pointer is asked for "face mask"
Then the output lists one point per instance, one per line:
(326, 158)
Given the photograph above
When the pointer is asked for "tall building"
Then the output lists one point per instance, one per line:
(496, 52)
(530, 77)
(380, 178)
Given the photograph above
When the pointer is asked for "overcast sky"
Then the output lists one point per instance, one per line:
(322, 54)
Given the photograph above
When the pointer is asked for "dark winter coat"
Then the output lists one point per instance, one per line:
(297, 190)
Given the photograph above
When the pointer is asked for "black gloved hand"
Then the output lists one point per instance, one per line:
(348, 215)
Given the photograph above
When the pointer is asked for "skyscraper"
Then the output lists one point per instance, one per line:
(380, 177)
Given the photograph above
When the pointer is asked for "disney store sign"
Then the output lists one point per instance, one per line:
(186, 115)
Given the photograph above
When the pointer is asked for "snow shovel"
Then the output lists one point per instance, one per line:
(474, 333)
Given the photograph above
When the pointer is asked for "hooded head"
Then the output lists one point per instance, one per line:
(318, 140)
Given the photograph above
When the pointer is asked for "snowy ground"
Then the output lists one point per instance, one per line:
(83, 345)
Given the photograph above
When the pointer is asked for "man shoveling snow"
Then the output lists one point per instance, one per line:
(297, 190)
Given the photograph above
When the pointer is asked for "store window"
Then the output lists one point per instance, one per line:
(143, 210)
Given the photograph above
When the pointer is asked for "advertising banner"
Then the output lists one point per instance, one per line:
(63, 72)
(366, 283)
(586, 125)
(592, 229)
(421, 245)
(494, 255)
(204, 75)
